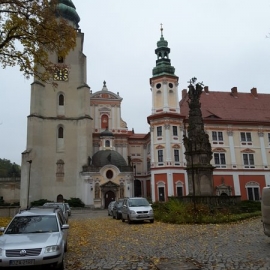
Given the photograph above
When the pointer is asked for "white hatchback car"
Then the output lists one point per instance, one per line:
(136, 209)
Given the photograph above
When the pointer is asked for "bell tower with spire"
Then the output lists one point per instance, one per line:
(166, 126)
(58, 126)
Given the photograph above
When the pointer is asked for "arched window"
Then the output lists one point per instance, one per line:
(253, 191)
(107, 143)
(61, 100)
(60, 133)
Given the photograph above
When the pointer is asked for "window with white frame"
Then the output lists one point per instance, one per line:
(160, 156)
(220, 160)
(175, 133)
(245, 137)
(217, 137)
(253, 191)
(179, 189)
(159, 131)
(248, 160)
(176, 156)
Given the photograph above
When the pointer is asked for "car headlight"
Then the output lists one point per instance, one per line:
(132, 212)
(151, 212)
(50, 249)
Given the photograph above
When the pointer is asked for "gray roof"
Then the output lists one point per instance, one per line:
(106, 157)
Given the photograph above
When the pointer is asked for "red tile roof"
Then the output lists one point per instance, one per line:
(231, 106)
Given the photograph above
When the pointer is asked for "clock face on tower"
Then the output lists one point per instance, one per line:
(60, 74)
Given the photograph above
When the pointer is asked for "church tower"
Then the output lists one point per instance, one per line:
(59, 137)
(166, 127)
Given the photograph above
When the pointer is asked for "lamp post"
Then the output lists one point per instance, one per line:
(28, 188)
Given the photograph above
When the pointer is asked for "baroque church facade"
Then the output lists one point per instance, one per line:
(79, 146)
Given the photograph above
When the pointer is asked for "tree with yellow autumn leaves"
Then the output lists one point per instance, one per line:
(30, 30)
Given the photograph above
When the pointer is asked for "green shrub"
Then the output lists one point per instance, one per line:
(75, 202)
(39, 202)
(174, 211)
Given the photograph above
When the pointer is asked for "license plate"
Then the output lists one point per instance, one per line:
(21, 262)
(142, 216)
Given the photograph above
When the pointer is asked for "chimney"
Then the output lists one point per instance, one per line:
(184, 93)
(234, 91)
(254, 92)
(206, 90)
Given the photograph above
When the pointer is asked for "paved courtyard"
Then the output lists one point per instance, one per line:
(97, 241)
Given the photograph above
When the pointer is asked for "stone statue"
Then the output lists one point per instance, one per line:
(89, 160)
(97, 190)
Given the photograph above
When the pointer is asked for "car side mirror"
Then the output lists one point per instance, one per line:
(65, 226)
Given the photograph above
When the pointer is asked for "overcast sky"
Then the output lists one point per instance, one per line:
(221, 42)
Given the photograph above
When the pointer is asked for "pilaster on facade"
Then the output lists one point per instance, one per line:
(165, 96)
(168, 142)
(232, 147)
(263, 150)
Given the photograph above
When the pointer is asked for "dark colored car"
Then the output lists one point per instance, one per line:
(117, 209)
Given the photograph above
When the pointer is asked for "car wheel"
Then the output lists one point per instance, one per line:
(123, 220)
(151, 221)
(129, 220)
(65, 248)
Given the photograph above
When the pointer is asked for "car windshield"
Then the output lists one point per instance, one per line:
(33, 224)
(138, 202)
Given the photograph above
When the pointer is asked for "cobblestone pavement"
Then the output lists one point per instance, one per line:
(162, 246)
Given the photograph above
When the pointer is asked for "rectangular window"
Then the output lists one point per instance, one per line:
(248, 160)
(217, 136)
(159, 131)
(269, 138)
(160, 155)
(161, 194)
(245, 136)
(253, 193)
(176, 155)
(220, 161)
(175, 131)
(179, 191)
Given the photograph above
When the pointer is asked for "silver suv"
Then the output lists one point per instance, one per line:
(60, 205)
(34, 237)
(135, 209)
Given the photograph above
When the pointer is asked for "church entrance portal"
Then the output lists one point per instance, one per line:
(109, 196)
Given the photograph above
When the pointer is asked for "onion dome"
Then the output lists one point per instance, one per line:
(163, 62)
(67, 10)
